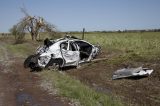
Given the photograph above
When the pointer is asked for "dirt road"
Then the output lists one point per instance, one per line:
(20, 87)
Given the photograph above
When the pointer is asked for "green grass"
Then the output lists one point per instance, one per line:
(1, 53)
(129, 46)
(21, 50)
(65, 84)
(146, 44)
(74, 89)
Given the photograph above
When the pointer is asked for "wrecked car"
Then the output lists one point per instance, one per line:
(67, 51)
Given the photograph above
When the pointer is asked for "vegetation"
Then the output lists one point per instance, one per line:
(146, 44)
(129, 45)
(66, 85)
(22, 50)
(33, 25)
(74, 89)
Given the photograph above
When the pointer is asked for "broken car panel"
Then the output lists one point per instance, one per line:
(132, 72)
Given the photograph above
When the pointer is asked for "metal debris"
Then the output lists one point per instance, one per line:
(132, 72)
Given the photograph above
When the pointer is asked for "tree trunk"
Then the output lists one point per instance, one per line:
(32, 35)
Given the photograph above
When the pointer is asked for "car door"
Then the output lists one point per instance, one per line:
(85, 50)
(70, 53)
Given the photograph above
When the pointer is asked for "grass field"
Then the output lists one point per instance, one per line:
(141, 43)
(81, 94)
(66, 86)
(131, 47)
(144, 44)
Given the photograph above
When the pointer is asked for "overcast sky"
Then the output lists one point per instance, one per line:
(93, 15)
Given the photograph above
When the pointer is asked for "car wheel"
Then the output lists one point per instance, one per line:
(55, 64)
(28, 60)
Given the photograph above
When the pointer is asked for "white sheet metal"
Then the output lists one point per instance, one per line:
(132, 72)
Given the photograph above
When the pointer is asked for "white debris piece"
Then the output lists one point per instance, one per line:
(132, 72)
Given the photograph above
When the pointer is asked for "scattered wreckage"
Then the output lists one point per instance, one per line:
(71, 51)
(132, 72)
(67, 51)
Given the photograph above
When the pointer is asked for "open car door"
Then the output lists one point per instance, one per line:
(70, 53)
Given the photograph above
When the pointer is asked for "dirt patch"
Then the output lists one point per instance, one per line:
(20, 87)
(136, 92)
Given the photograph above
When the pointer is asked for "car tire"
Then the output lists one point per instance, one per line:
(55, 63)
(28, 60)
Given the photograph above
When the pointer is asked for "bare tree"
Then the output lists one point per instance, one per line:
(32, 24)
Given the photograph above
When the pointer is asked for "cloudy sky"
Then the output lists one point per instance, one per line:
(93, 15)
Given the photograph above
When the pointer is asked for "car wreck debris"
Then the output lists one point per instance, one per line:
(67, 51)
(132, 72)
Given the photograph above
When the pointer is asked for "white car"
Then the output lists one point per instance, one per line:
(68, 51)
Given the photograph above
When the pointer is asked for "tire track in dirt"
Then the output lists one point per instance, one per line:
(20, 87)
